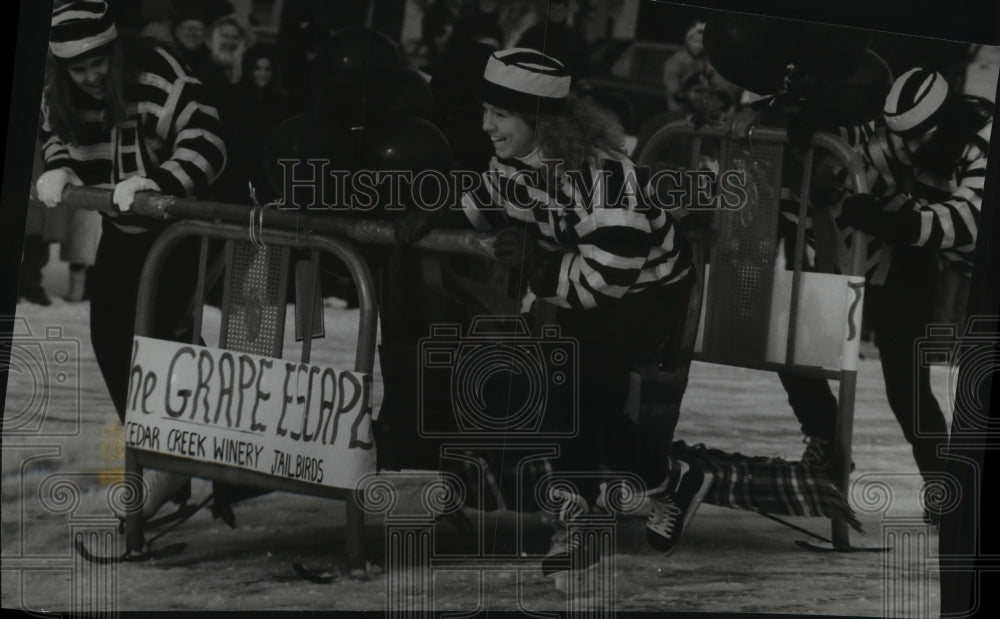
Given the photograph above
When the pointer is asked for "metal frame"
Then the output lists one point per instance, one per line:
(136, 460)
(840, 466)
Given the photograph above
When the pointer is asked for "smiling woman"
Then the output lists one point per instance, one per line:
(90, 74)
(578, 226)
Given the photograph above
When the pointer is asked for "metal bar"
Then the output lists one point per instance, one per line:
(365, 231)
(343, 249)
(226, 295)
(364, 363)
(840, 465)
(282, 254)
(134, 539)
(230, 475)
(696, 152)
(307, 328)
(356, 525)
(768, 366)
(199, 292)
(800, 250)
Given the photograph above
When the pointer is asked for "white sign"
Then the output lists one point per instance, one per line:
(292, 420)
(828, 334)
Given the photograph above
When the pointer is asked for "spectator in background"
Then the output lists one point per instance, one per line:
(190, 37)
(227, 42)
(556, 38)
(692, 84)
(78, 233)
(250, 111)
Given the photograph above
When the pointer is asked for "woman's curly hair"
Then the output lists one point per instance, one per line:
(579, 133)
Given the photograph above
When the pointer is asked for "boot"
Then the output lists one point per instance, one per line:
(573, 552)
(163, 487)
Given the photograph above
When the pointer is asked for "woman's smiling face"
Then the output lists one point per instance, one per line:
(512, 136)
(91, 74)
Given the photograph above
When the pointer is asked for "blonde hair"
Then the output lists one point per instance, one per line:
(582, 131)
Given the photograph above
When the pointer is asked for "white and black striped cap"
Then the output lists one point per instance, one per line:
(525, 80)
(79, 27)
(914, 99)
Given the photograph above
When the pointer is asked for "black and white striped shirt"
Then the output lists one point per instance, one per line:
(171, 135)
(613, 240)
(948, 208)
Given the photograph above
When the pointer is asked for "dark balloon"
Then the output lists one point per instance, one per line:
(747, 50)
(857, 99)
(828, 52)
(409, 146)
(411, 143)
(755, 52)
(413, 96)
(299, 139)
(355, 77)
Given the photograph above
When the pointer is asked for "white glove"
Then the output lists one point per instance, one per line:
(50, 185)
(125, 191)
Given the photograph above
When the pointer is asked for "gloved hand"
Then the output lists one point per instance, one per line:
(743, 122)
(50, 185)
(125, 191)
(513, 248)
(863, 212)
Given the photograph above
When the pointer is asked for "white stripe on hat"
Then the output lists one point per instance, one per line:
(904, 115)
(532, 78)
(75, 15)
(72, 49)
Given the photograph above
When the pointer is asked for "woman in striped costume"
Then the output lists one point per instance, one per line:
(575, 222)
(926, 159)
(928, 164)
(122, 115)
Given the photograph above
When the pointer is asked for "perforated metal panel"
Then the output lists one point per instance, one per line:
(743, 258)
(254, 299)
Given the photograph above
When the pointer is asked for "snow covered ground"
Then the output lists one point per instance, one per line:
(729, 560)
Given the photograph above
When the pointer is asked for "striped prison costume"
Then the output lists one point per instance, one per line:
(614, 241)
(948, 208)
(171, 134)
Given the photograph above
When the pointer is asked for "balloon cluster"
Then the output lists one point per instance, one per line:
(828, 69)
(371, 114)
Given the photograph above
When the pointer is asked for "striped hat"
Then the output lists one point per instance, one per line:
(79, 27)
(914, 100)
(526, 81)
